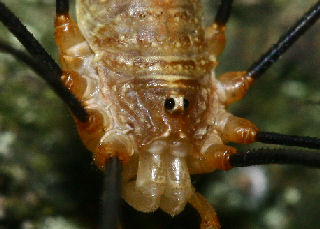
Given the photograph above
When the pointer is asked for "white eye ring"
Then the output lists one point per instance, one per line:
(176, 102)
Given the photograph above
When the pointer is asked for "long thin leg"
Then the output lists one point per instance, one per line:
(265, 62)
(225, 157)
(81, 80)
(111, 194)
(42, 57)
(288, 140)
(245, 79)
(223, 13)
(285, 42)
(232, 86)
(24, 57)
(62, 7)
(276, 156)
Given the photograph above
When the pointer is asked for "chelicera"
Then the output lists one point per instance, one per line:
(154, 117)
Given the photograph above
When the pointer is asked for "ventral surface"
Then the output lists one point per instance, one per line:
(145, 72)
(167, 79)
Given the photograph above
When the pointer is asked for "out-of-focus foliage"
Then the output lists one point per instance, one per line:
(47, 179)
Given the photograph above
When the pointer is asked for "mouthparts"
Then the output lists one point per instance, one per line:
(163, 178)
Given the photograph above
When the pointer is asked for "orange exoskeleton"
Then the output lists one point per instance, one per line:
(144, 71)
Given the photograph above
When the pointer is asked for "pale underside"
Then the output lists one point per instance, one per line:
(135, 55)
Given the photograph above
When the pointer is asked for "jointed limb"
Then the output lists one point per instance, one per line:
(215, 33)
(74, 53)
(209, 219)
(212, 155)
(215, 157)
(234, 129)
(48, 69)
(232, 86)
(239, 130)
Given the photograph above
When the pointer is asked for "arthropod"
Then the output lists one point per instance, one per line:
(178, 99)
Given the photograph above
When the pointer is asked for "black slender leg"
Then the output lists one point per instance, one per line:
(271, 56)
(62, 6)
(111, 194)
(223, 13)
(28, 40)
(285, 42)
(276, 156)
(289, 140)
(22, 56)
(53, 72)
(112, 177)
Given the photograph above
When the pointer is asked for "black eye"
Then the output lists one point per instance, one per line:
(185, 103)
(169, 104)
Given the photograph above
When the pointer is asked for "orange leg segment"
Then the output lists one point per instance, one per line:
(209, 219)
(81, 78)
(215, 38)
(69, 37)
(215, 157)
(239, 130)
(73, 50)
(232, 86)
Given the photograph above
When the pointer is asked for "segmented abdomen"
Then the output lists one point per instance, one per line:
(143, 37)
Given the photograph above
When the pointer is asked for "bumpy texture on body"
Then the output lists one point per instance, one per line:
(144, 70)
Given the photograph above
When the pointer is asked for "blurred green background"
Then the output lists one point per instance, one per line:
(47, 178)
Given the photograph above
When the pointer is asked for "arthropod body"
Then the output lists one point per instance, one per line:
(150, 88)
(144, 73)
